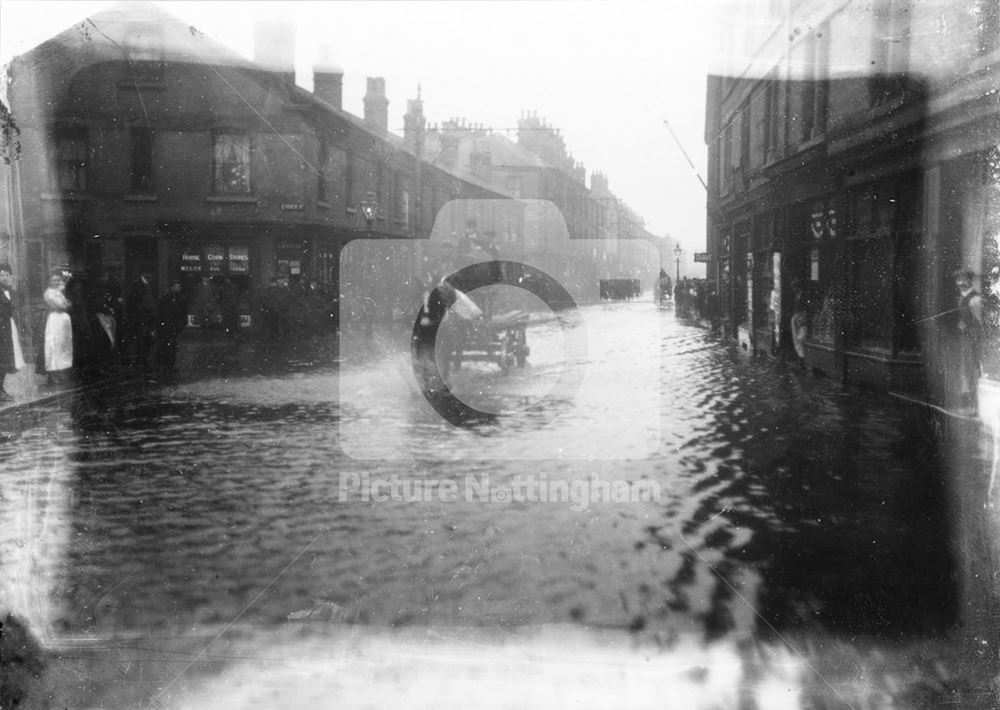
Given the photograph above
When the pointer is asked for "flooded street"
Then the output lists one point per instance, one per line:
(226, 497)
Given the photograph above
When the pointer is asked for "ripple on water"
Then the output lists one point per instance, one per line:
(192, 499)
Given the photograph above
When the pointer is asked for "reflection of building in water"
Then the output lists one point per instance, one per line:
(852, 153)
(36, 509)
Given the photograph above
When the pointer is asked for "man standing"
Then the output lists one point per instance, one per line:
(970, 337)
(140, 310)
(172, 317)
(11, 357)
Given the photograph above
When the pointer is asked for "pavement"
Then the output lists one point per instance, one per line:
(27, 387)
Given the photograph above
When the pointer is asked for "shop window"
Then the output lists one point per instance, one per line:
(232, 163)
(142, 159)
(907, 291)
(871, 295)
(71, 159)
(239, 260)
(215, 259)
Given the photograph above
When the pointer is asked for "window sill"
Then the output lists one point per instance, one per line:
(65, 196)
(323, 204)
(141, 198)
(232, 199)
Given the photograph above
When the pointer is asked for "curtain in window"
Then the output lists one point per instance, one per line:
(72, 163)
(232, 163)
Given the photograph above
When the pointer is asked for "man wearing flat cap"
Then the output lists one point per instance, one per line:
(970, 336)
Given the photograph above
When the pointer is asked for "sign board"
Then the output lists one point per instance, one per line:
(702, 257)
(292, 206)
(215, 256)
(191, 261)
(239, 260)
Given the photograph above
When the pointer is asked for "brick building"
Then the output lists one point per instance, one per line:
(852, 158)
(537, 167)
(145, 145)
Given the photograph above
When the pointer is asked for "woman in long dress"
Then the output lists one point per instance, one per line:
(58, 332)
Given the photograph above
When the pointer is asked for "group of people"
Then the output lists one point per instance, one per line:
(696, 298)
(297, 306)
(93, 326)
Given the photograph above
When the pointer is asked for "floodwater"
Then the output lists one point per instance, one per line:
(678, 487)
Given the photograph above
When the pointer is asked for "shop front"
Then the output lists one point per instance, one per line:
(214, 276)
(884, 283)
(817, 284)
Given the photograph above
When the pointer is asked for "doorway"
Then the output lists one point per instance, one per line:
(141, 255)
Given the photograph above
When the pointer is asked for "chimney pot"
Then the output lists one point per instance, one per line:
(376, 105)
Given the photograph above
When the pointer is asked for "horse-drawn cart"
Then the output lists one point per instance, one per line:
(499, 339)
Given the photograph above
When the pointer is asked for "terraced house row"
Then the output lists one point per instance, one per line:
(144, 145)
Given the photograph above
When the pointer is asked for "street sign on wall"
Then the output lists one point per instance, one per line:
(702, 257)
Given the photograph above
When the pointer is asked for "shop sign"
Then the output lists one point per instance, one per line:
(702, 257)
(191, 261)
(215, 256)
(239, 260)
(814, 269)
(292, 206)
(823, 220)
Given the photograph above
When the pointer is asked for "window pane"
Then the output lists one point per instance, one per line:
(232, 163)
(142, 159)
(71, 161)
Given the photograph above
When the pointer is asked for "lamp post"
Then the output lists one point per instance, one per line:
(369, 207)
(677, 253)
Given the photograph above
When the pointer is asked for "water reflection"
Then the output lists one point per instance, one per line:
(786, 505)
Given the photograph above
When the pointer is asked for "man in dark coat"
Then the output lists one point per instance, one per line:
(172, 315)
(140, 314)
(8, 363)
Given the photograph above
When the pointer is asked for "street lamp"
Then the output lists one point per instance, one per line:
(369, 207)
(677, 253)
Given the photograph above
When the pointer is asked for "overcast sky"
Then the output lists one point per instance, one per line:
(606, 73)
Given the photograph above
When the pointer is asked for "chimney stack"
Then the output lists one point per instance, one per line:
(414, 123)
(274, 47)
(376, 105)
(328, 78)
